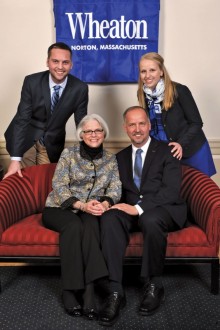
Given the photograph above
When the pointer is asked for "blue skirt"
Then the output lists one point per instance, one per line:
(202, 160)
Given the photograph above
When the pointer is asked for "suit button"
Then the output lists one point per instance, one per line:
(141, 196)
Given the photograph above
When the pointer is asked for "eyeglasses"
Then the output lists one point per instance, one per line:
(96, 131)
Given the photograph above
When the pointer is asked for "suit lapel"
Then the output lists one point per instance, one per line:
(46, 93)
(151, 152)
(128, 163)
(127, 167)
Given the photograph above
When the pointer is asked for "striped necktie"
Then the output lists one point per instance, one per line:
(55, 97)
(138, 168)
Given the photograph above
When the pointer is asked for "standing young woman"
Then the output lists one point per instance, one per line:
(174, 115)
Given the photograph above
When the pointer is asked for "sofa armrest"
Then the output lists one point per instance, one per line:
(202, 196)
(17, 200)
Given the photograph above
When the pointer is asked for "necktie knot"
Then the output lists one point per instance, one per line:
(139, 151)
(56, 88)
(138, 168)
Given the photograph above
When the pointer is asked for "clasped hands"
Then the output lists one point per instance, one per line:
(93, 207)
(98, 208)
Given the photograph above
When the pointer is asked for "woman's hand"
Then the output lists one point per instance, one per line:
(95, 207)
(177, 150)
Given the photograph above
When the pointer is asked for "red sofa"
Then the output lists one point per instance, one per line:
(23, 238)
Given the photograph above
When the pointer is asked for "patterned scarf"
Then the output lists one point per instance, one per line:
(154, 99)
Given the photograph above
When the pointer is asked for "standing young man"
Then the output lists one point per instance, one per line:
(36, 134)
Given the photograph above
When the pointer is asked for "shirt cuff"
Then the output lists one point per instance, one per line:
(139, 209)
(68, 203)
(16, 158)
(107, 199)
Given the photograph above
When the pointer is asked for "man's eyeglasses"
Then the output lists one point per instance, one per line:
(96, 131)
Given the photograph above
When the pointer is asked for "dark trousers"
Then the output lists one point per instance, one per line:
(116, 226)
(81, 258)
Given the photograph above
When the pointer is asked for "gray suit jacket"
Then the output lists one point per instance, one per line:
(33, 118)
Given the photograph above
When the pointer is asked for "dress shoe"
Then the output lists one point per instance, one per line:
(110, 313)
(152, 299)
(71, 304)
(74, 311)
(90, 313)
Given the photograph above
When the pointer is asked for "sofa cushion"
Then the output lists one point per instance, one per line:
(29, 237)
(188, 242)
(30, 231)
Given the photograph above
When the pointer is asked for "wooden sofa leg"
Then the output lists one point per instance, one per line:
(215, 276)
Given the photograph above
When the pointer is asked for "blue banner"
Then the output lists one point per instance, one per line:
(107, 37)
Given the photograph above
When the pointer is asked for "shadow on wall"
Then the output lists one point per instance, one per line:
(110, 105)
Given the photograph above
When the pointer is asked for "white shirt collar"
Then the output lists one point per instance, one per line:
(144, 147)
(52, 83)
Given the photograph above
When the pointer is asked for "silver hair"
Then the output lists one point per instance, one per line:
(86, 119)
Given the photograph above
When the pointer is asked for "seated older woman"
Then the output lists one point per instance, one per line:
(85, 184)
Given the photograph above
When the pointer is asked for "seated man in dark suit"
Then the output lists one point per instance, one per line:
(150, 201)
(36, 134)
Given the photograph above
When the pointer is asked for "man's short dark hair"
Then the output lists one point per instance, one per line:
(59, 45)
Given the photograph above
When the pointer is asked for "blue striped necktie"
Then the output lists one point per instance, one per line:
(55, 97)
(138, 168)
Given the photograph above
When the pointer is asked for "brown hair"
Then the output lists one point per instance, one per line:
(59, 45)
(170, 90)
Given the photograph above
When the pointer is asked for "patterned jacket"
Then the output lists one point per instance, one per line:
(77, 177)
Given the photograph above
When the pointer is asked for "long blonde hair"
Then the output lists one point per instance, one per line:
(170, 90)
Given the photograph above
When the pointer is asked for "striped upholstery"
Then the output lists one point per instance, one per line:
(41, 181)
(22, 201)
(203, 200)
(29, 237)
(17, 200)
(201, 237)
(188, 242)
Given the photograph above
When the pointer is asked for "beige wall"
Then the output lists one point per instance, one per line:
(188, 40)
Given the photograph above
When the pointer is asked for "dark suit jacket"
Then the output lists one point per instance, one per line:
(160, 182)
(183, 123)
(33, 118)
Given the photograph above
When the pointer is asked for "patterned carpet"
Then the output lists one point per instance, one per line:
(30, 300)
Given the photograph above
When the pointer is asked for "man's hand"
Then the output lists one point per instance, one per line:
(129, 209)
(14, 167)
